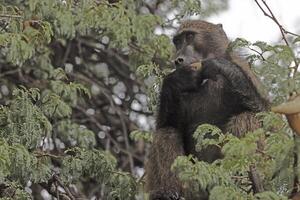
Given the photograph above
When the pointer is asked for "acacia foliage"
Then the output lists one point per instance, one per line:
(74, 81)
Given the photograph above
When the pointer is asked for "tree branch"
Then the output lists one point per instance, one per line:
(10, 16)
(257, 185)
(268, 13)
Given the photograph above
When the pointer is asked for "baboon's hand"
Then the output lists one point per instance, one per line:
(181, 80)
(165, 195)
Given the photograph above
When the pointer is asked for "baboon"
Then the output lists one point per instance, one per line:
(224, 93)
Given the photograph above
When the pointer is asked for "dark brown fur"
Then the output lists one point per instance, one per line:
(169, 142)
(166, 147)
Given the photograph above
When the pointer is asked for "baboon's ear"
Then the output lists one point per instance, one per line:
(220, 25)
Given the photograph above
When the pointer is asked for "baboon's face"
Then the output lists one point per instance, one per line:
(199, 41)
(190, 48)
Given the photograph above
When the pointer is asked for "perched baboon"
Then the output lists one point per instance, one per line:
(223, 93)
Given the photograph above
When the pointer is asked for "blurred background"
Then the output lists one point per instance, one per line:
(244, 19)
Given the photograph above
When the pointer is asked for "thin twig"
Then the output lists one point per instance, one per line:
(239, 177)
(10, 16)
(67, 52)
(57, 191)
(44, 154)
(257, 185)
(259, 53)
(273, 18)
(9, 72)
(57, 179)
(283, 32)
(98, 125)
(125, 133)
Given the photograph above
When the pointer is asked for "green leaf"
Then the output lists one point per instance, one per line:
(141, 135)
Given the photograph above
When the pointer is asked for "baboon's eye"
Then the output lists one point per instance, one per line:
(177, 41)
(189, 37)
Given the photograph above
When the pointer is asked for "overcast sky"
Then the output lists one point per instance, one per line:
(244, 19)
